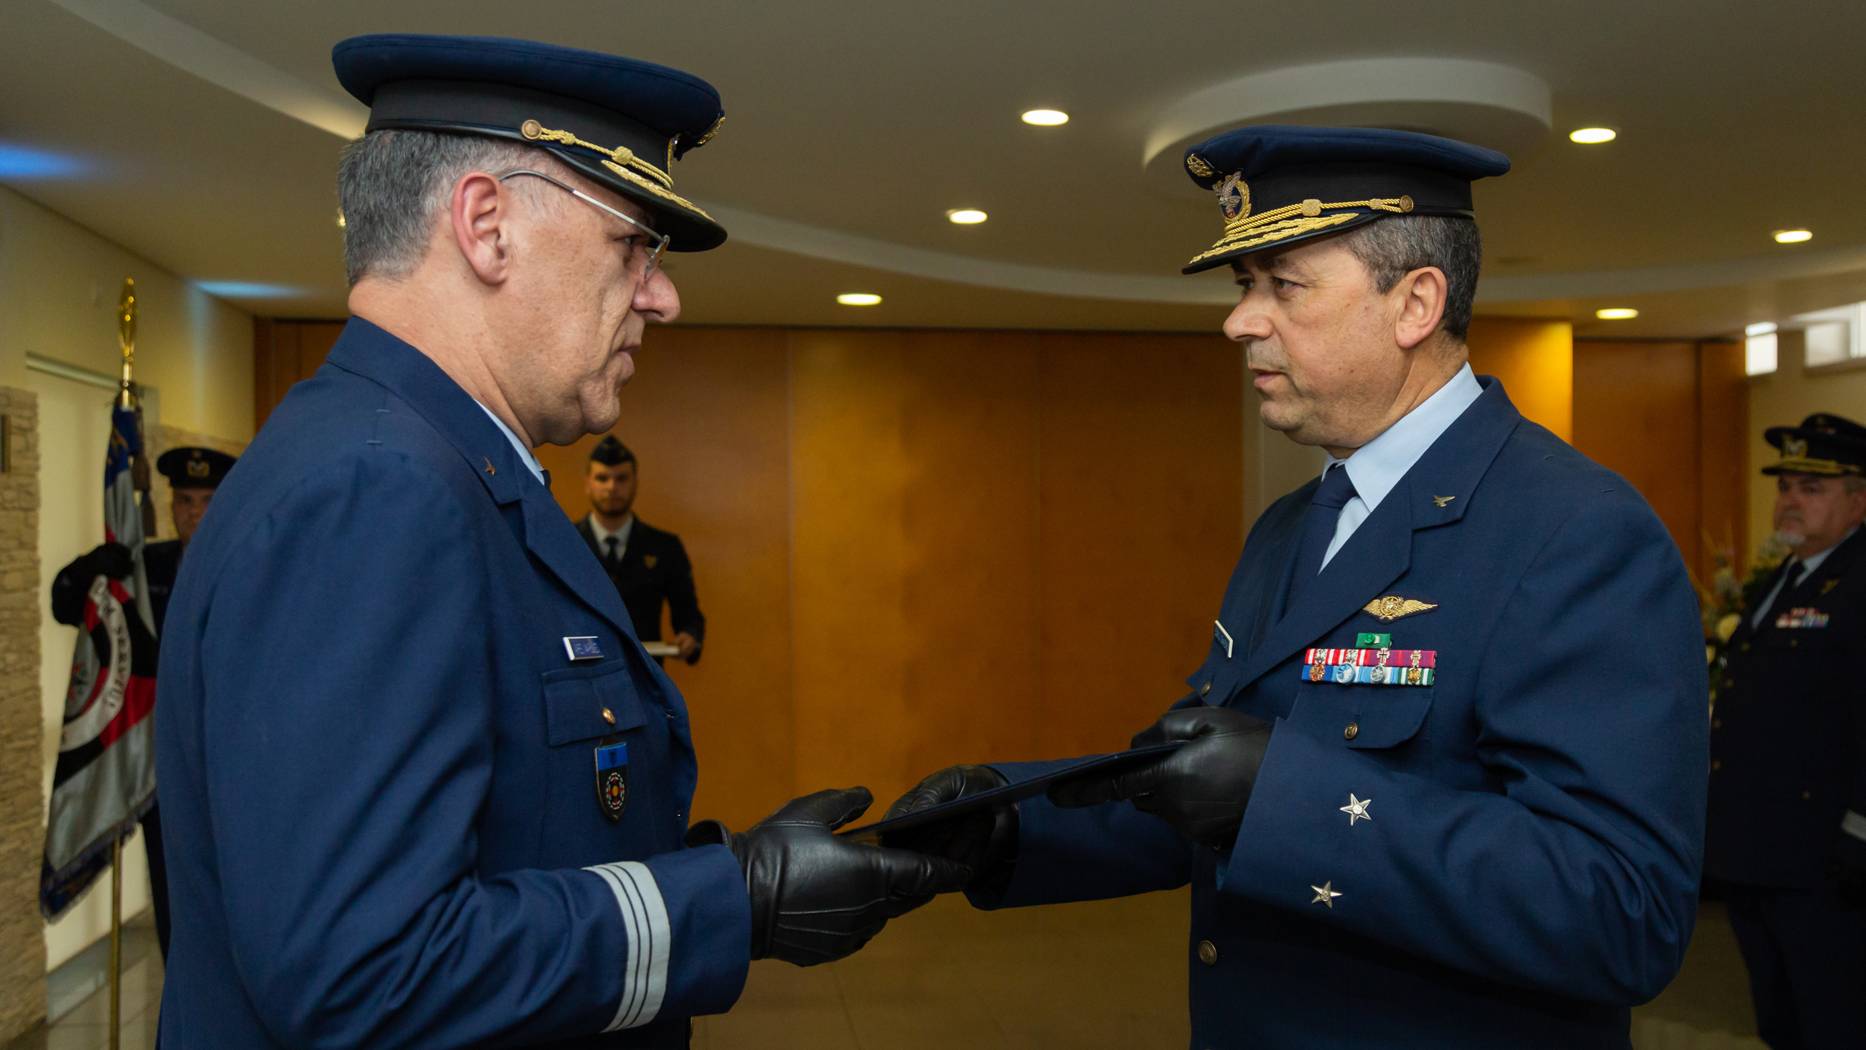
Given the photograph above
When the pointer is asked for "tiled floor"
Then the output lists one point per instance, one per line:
(1085, 977)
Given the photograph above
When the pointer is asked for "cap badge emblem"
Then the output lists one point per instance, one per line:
(1233, 197)
(1197, 166)
(198, 468)
(1794, 447)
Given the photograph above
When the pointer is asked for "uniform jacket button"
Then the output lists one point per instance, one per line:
(1208, 953)
(1716, 764)
(1352, 730)
(1716, 723)
(1206, 689)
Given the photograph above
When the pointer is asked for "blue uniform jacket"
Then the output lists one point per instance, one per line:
(1530, 864)
(377, 751)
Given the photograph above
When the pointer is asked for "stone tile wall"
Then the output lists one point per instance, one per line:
(22, 806)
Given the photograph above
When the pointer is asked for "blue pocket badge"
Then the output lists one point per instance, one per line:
(612, 780)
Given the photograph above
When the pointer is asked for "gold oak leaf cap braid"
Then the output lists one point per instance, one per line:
(1278, 185)
(607, 117)
(1824, 444)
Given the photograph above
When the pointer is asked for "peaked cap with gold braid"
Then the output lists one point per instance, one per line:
(1280, 184)
(1824, 444)
(619, 121)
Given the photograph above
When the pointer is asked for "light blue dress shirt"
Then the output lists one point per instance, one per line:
(531, 461)
(1377, 466)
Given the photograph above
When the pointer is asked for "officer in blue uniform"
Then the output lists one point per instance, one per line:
(423, 787)
(1441, 774)
(1786, 840)
(193, 474)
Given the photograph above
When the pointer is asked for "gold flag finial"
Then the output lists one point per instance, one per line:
(126, 339)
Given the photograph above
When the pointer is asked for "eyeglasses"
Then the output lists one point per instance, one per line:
(638, 248)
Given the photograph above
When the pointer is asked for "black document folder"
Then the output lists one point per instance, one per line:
(1018, 790)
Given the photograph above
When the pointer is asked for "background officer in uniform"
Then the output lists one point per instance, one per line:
(193, 474)
(649, 566)
(1786, 840)
(424, 786)
(1441, 780)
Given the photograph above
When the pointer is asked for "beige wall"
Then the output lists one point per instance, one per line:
(59, 285)
(1787, 396)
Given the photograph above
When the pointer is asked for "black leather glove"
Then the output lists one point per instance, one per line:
(73, 582)
(984, 841)
(1200, 789)
(817, 898)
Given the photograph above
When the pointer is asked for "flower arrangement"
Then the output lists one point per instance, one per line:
(1726, 600)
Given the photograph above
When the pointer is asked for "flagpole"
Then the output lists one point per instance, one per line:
(126, 399)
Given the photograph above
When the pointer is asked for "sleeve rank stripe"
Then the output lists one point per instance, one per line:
(644, 918)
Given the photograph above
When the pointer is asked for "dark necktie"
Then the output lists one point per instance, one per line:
(614, 555)
(1318, 529)
(1791, 576)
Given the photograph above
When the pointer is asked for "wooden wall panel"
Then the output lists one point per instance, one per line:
(707, 416)
(1636, 414)
(849, 557)
(1723, 443)
(1534, 359)
(970, 420)
(1142, 461)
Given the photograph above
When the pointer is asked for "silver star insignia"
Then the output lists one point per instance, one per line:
(1356, 809)
(1325, 894)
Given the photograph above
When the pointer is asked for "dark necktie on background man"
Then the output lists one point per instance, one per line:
(612, 551)
(1318, 529)
(1785, 582)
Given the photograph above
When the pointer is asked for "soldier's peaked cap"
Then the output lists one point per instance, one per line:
(1279, 184)
(619, 121)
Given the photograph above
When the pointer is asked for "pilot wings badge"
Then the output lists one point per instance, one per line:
(1390, 607)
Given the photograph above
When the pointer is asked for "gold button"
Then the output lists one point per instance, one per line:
(1353, 730)
(1716, 764)
(1208, 953)
(1716, 723)
(609, 716)
(1745, 647)
(1794, 643)
(1205, 690)
(1806, 795)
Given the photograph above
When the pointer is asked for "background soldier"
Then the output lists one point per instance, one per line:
(193, 474)
(1786, 841)
(649, 566)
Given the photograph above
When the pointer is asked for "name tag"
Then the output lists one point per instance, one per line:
(583, 647)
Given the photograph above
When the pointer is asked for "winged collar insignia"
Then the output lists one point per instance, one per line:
(1390, 607)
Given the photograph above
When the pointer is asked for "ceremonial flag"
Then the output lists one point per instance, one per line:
(105, 777)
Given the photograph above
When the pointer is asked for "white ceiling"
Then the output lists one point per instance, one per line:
(203, 135)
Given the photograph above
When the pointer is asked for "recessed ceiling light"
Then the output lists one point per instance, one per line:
(1792, 236)
(1760, 328)
(1045, 118)
(966, 216)
(858, 299)
(1616, 313)
(1592, 136)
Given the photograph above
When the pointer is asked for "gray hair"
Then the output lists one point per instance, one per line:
(1395, 246)
(391, 183)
